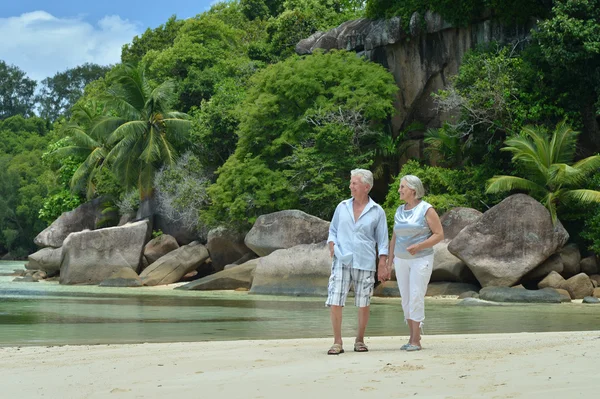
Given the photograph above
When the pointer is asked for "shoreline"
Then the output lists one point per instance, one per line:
(515, 365)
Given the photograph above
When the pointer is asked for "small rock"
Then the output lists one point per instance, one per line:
(564, 295)
(40, 275)
(468, 294)
(26, 279)
(590, 299)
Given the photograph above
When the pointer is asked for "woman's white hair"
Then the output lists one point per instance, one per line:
(365, 176)
(414, 183)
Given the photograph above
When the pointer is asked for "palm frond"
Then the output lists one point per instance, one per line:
(128, 131)
(582, 195)
(588, 165)
(563, 143)
(525, 152)
(162, 97)
(498, 184)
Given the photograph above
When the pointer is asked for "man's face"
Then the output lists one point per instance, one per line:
(357, 187)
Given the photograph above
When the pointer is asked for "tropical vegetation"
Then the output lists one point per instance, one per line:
(216, 120)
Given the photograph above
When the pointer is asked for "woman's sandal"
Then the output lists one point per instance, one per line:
(335, 349)
(412, 348)
(360, 347)
(403, 347)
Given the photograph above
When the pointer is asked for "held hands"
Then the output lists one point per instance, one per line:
(384, 270)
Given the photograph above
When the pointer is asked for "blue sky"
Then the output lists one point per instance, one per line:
(43, 37)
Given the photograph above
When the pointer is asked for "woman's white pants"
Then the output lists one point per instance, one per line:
(413, 276)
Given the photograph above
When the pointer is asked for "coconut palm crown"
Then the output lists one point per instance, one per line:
(551, 178)
(143, 128)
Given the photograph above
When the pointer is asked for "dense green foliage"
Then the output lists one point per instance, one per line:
(304, 124)
(24, 182)
(460, 12)
(263, 129)
(16, 93)
(59, 93)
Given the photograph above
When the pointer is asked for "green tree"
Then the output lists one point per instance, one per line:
(87, 145)
(546, 161)
(305, 122)
(570, 44)
(59, 93)
(24, 182)
(157, 39)
(145, 131)
(16, 92)
(215, 124)
(205, 51)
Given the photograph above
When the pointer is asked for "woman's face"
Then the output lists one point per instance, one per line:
(406, 193)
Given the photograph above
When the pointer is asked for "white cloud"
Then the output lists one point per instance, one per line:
(41, 44)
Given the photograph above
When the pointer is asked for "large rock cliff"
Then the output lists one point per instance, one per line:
(421, 59)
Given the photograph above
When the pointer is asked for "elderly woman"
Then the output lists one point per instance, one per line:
(417, 229)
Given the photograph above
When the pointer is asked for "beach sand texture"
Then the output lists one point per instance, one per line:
(523, 365)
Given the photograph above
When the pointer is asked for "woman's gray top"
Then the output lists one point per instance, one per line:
(411, 228)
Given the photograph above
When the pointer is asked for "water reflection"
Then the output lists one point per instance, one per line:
(43, 313)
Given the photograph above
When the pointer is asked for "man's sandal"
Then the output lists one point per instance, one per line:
(360, 347)
(335, 349)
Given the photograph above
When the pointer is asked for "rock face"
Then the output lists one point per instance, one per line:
(447, 267)
(285, 229)
(174, 265)
(90, 257)
(553, 264)
(457, 219)
(506, 294)
(233, 278)
(225, 247)
(508, 241)
(571, 259)
(84, 217)
(46, 259)
(303, 270)
(158, 247)
(421, 60)
(589, 265)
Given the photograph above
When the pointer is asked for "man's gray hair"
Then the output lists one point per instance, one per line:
(414, 183)
(365, 176)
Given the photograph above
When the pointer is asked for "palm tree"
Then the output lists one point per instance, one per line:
(85, 140)
(551, 177)
(143, 129)
(445, 146)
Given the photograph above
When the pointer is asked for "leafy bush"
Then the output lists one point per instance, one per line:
(304, 124)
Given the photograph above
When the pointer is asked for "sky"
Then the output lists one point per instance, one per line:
(43, 37)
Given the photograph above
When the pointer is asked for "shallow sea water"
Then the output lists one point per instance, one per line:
(46, 313)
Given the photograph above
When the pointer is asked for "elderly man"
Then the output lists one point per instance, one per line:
(358, 229)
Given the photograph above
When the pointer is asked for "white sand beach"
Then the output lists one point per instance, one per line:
(524, 365)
